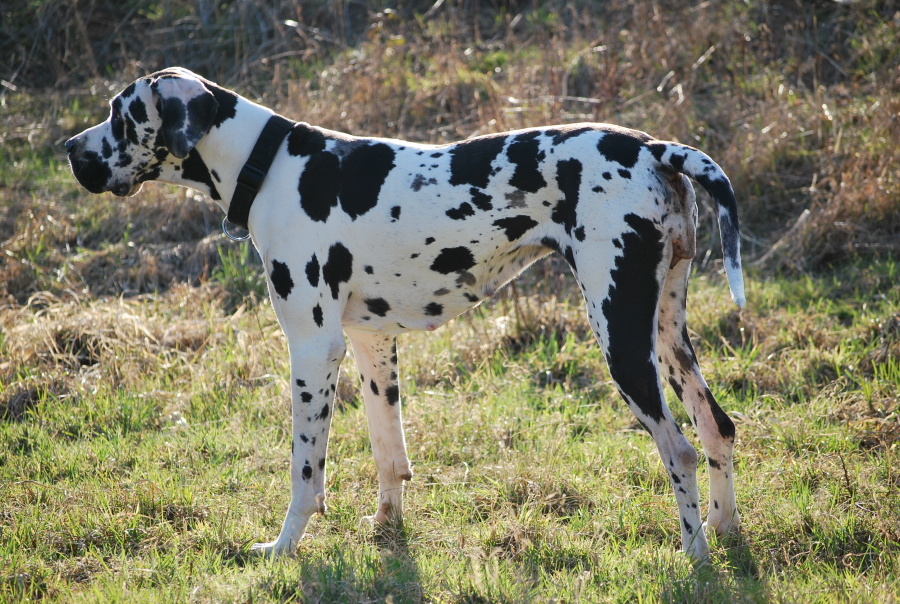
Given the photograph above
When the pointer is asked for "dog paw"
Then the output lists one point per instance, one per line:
(265, 550)
(697, 550)
(723, 526)
(272, 549)
(386, 515)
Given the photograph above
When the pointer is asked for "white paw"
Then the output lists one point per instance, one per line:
(385, 516)
(697, 548)
(272, 549)
(723, 526)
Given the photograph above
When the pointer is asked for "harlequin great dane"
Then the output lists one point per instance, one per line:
(374, 237)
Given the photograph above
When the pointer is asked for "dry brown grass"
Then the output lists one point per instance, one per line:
(797, 101)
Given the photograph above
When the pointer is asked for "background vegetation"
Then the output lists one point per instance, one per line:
(144, 428)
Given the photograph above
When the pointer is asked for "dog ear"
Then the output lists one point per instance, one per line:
(187, 109)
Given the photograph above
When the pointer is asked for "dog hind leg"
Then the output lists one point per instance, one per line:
(622, 304)
(376, 359)
(715, 428)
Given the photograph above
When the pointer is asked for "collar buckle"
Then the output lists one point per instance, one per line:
(251, 177)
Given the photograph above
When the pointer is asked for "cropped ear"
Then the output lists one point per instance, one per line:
(187, 109)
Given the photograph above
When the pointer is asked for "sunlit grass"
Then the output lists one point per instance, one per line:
(154, 452)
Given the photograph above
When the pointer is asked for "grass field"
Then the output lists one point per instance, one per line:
(144, 412)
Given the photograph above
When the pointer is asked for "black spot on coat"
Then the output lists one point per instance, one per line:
(724, 423)
(338, 268)
(378, 306)
(184, 125)
(392, 393)
(677, 161)
(481, 199)
(630, 310)
(303, 140)
(453, 260)
(320, 184)
(131, 130)
(138, 111)
(364, 172)
(516, 226)
(564, 133)
(227, 102)
(568, 178)
(621, 148)
(676, 387)
(317, 315)
(551, 243)
(462, 212)
(579, 233)
(281, 279)
(470, 161)
(525, 154)
(312, 271)
(116, 122)
(420, 181)
(434, 309)
(194, 168)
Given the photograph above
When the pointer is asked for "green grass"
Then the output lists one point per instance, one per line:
(144, 418)
(149, 450)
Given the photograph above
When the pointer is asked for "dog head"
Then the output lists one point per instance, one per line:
(156, 120)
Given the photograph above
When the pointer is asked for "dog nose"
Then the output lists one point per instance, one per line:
(70, 144)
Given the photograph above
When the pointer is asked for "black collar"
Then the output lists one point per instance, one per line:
(255, 169)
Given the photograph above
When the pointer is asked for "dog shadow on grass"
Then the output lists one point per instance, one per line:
(400, 571)
(338, 573)
(731, 574)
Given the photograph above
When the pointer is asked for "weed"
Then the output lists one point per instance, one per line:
(240, 274)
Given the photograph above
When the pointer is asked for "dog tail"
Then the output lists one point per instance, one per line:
(711, 177)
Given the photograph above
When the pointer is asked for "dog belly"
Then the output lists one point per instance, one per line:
(416, 304)
(427, 301)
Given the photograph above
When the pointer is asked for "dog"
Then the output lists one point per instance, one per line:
(373, 237)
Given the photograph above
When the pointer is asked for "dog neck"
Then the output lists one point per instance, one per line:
(254, 171)
(213, 165)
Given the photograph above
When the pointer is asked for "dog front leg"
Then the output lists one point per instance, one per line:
(315, 363)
